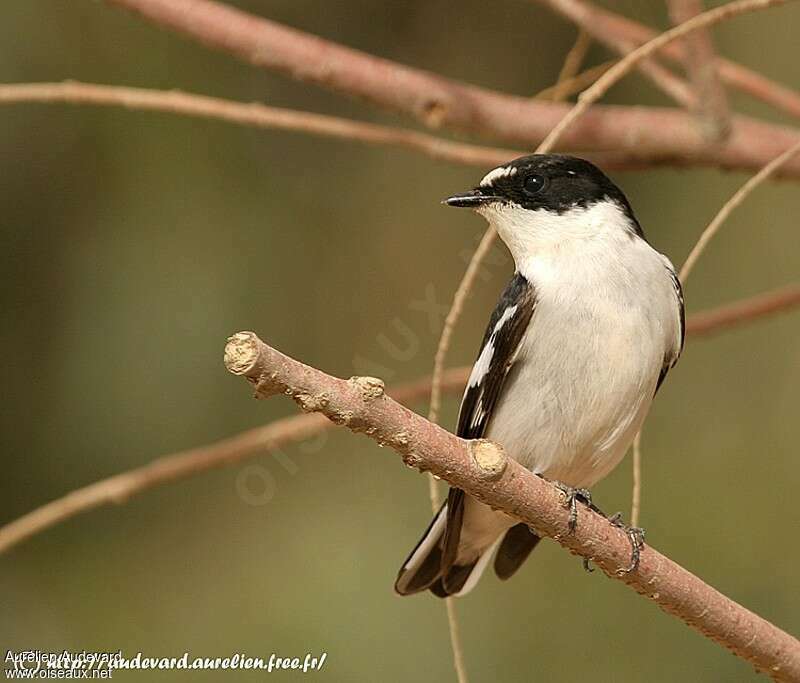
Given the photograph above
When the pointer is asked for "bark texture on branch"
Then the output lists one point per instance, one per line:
(483, 469)
(637, 136)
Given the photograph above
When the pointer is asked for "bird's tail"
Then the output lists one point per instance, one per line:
(438, 562)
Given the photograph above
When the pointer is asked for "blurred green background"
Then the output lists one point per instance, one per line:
(134, 243)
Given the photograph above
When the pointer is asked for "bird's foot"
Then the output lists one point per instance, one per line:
(571, 497)
(635, 536)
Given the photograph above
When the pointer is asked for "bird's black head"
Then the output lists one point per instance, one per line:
(554, 182)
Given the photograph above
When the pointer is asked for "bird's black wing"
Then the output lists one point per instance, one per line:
(506, 328)
(507, 325)
(672, 356)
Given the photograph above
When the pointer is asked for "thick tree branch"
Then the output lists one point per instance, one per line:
(263, 116)
(482, 469)
(636, 135)
(710, 101)
(608, 28)
(119, 488)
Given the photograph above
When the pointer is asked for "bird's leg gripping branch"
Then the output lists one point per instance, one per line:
(482, 469)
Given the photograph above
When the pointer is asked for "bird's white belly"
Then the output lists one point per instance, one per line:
(580, 388)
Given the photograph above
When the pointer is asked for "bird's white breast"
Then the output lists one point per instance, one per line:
(605, 317)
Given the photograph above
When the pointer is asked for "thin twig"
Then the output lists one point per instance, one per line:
(605, 26)
(663, 78)
(636, 135)
(125, 485)
(433, 415)
(483, 470)
(636, 494)
(577, 83)
(735, 314)
(629, 61)
(251, 114)
(571, 66)
(710, 101)
(452, 317)
(739, 196)
(455, 640)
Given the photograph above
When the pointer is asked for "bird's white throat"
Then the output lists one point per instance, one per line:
(547, 237)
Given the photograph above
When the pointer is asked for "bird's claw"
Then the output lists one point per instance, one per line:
(635, 536)
(571, 498)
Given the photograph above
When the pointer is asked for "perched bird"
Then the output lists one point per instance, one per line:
(579, 343)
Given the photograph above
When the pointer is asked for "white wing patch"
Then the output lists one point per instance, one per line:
(497, 173)
(507, 314)
(482, 365)
(484, 361)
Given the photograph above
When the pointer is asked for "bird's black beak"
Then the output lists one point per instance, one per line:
(472, 199)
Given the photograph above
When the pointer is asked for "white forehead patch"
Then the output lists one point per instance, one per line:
(497, 173)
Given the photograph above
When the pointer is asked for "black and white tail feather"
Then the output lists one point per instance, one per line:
(444, 562)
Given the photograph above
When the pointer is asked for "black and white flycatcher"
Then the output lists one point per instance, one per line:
(575, 350)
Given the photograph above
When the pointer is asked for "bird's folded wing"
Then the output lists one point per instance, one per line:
(507, 326)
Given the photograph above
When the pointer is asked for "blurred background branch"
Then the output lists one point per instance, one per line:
(652, 135)
(253, 114)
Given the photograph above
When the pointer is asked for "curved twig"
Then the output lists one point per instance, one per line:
(252, 114)
(739, 196)
(636, 492)
(575, 84)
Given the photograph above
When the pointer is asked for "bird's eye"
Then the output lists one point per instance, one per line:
(534, 184)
